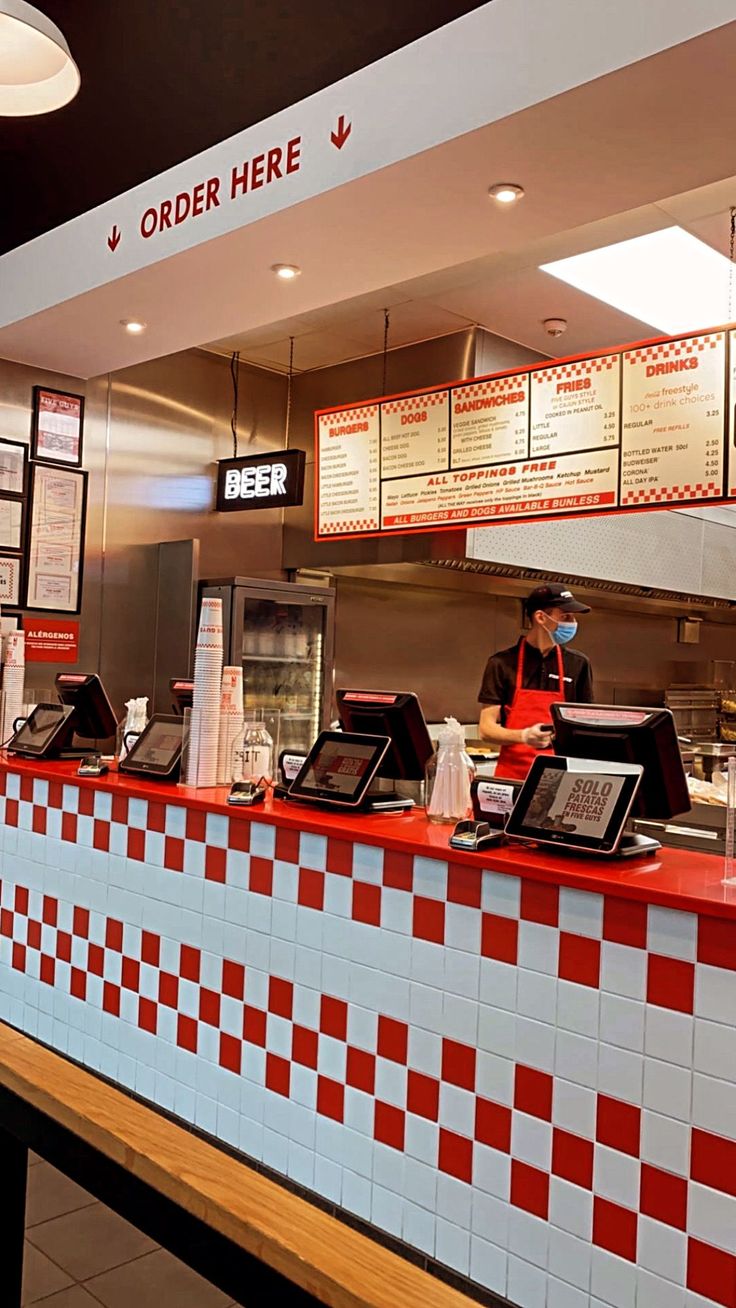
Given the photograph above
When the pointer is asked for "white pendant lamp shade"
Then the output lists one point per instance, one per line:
(37, 72)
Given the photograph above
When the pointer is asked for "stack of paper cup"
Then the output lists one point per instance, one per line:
(231, 721)
(14, 670)
(204, 736)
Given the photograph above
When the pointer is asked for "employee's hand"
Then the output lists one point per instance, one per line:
(535, 737)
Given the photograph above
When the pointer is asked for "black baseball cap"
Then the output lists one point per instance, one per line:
(553, 597)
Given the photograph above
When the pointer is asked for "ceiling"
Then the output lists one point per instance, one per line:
(162, 81)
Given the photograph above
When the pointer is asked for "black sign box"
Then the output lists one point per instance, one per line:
(261, 481)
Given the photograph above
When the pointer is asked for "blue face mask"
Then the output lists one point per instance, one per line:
(564, 632)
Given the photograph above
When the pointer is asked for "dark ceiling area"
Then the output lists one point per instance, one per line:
(164, 79)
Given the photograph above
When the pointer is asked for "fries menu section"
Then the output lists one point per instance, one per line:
(645, 427)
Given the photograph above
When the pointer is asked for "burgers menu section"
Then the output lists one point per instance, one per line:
(644, 427)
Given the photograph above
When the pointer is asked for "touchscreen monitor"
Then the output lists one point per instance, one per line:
(339, 768)
(575, 803)
(157, 751)
(45, 732)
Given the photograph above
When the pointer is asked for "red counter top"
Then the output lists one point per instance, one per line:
(676, 878)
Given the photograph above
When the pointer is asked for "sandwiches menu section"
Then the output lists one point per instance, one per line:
(640, 428)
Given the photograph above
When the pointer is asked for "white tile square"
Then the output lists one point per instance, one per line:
(620, 1074)
(263, 839)
(460, 1019)
(490, 1218)
(655, 1292)
(715, 993)
(462, 972)
(562, 1295)
(574, 1108)
(622, 1022)
(569, 1258)
(387, 1210)
(581, 912)
(421, 1140)
(216, 830)
(623, 970)
(712, 1217)
(616, 1176)
(462, 929)
(571, 1208)
(576, 1059)
(356, 1194)
(672, 933)
(578, 1008)
(528, 1237)
(535, 1044)
(665, 1142)
(715, 1049)
(430, 878)
(613, 1280)
(667, 1089)
(669, 1036)
(419, 1228)
(498, 984)
(537, 996)
(662, 1250)
(539, 947)
(495, 1078)
(531, 1142)
(492, 1171)
(457, 1109)
(527, 1285)
(454, 1200)
(328, 1179)
(488, 1265)
(714, 1105)
(452, 1246)
(420, 1183)
(501, 894)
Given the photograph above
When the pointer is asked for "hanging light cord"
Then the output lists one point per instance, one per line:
(235, 374)
(386, 324)
(288, 388)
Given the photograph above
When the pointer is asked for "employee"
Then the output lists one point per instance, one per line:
(522, 683)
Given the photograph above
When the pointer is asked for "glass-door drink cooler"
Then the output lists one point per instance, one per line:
(282, 634)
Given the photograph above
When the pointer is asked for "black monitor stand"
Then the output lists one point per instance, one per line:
(382, 797)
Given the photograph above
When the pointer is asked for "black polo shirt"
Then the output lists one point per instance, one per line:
(540, 673)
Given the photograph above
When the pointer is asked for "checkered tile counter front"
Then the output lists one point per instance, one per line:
(532, 1084)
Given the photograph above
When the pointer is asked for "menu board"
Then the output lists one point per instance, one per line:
(652, 426)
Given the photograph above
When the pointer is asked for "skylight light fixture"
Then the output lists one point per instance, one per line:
(669, 279)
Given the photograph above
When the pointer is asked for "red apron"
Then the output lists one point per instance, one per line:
(528, 707)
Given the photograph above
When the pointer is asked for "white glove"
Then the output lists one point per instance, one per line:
(536, 738)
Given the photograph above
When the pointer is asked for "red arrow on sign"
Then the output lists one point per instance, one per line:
(114, 238)
(340, 136)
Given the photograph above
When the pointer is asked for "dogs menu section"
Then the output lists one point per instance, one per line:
(635, 428)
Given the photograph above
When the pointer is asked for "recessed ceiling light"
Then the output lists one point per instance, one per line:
(505, 192)
(669, 279)
(37, 72)
(133, 325)
(286, 271)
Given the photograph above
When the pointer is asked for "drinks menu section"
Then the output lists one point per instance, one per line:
(653, 426)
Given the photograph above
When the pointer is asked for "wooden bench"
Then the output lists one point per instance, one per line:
(246, 1233)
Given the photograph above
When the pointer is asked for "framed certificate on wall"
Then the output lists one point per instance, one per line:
(13, 467)
(56, 539)
(11, 571)
(56, 432)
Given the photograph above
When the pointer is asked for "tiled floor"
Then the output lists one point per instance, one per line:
(79, 1254)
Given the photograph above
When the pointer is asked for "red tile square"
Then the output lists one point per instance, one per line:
(671, 983)
(713, 1161)
(78, 983)
(572, 1158)
(618, 1125)
(11, 818)
(333, 1017)
(540, 902)
(393, 1039)
(174, 854)
(80, 925)
(131, 974)
(614, 1228)
(196, 827)
(215, 864)
(254, 1026)
(56, 794)
(156, 820)
(493, 1125)
(26, 789)
(278, 1075)
(86, 804)
(464, 885)
(261, 876)
(96, 960)
(48, 969)
(120, 809)
(231, 1053)
(287, 845)
(529, 1189)
(111, 999)
(239, 834)
(663, 1196)
(361, 1070)
(456, 1155)
(101, 836)
(304, 1046)
(423, 1096)
(114, 935)
(388, 1125)
(330, 1098)
(580, 960)
(717, 942)
(6, 923)
(233, 979)
(209, 1007)
(398, 870)
(21, 900)
(366, 903)
(39, 820)
(150, 948)
(280, 997)
(64, 946)
(499, 938)
(533, 1092)
(625, 922)
(187, 1033)
(137, 844)
(190, 963)
(147, 1015)
(33, 936)
(458, 1064)
(50, 911)
(311, 888)
(429, 920)
(168, 990)
(711, 1273)
(19, 957)
(340, 857)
